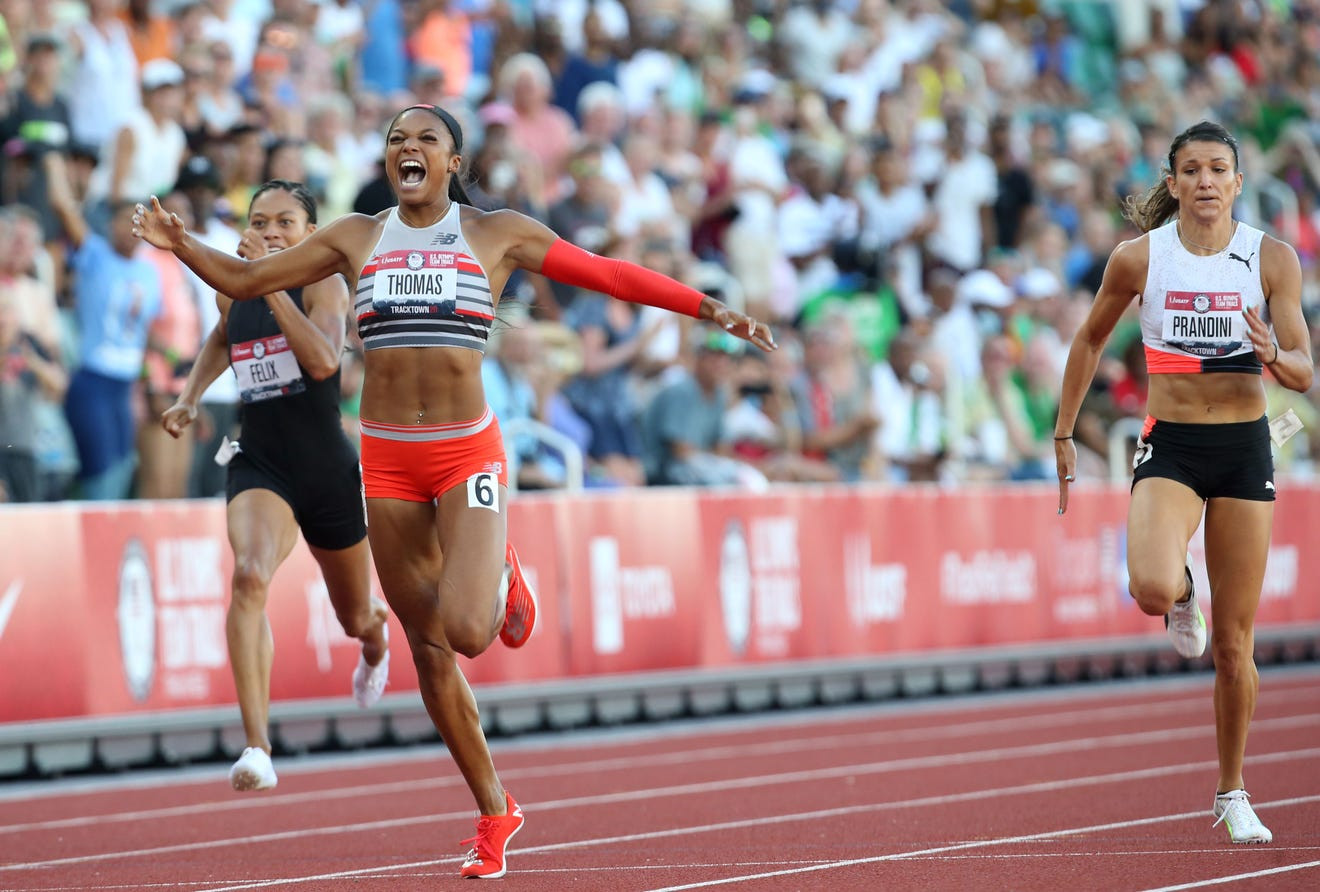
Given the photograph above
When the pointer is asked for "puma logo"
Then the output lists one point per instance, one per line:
(1269, 484)
(1245, 261)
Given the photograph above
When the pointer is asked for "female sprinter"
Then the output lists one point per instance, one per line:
(293, 467)
(428, 275)
(1209, 288)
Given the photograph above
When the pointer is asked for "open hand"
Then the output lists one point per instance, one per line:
(157, 226)
(744, 326)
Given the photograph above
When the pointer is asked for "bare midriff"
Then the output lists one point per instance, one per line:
(1215, 398)
(422, 385)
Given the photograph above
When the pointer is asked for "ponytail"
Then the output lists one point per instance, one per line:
(1153, 208)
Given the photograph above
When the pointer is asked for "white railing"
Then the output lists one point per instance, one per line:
(1124, 430)
(574, 462)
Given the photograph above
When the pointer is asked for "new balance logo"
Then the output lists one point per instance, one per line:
(1245, 261)
(448, 238)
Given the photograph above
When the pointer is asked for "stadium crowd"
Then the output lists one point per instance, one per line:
(920, 195)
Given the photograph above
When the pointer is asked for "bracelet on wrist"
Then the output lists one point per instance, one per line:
(1276, 354)
(1069, 437)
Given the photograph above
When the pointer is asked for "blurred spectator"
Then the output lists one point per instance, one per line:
(38, 121)
(218, 101)
(441, 38)
(604, 120)
(115, 299)
(908, 398)
(683, 427)
(330, 158)
(341, 28)
(541, 130)
(244, 163)
(150, 32)
(21, 256)
(645, 209)
(29, 372)
(833, 396)
(812, 221)
(585, 216)
(173, 342)
(895, 219)
(384, 64)
(963, 199)
(814, 35)
(596, 63)
(104, 89)
(613, 341)
(1016, 193)
(149, 148)
(233, 23)
(763, 426)
(758, 182)
(199, 184)
(522, 381)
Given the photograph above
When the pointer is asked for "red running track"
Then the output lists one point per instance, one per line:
(1102, 787)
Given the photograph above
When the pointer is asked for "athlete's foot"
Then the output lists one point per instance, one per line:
(369, 679)
(520, 603)
(253, 771)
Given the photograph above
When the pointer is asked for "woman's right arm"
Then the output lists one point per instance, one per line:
(209, 365)
(335, 248)
(1124, 277)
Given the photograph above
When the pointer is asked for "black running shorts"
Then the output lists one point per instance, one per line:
(1218, 461)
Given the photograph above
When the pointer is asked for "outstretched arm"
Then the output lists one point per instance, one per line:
(316, 257)
(535, 247)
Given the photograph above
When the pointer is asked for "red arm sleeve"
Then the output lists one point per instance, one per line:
(568, 263)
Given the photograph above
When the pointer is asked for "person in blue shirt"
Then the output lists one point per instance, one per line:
(115, 298)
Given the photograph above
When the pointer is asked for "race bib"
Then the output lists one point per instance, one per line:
(266, 368)
(1204, 323)
(415, 283)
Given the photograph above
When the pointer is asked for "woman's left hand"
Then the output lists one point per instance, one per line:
(742, 325)
(1267, 350)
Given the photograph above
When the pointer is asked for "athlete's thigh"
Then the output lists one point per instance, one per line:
(472, 535)
(262, 530)
(347, 573)
(406, 554)
(1237, 544)
(1162, 516)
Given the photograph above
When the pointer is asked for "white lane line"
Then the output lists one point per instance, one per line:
(1188, 691)
(630, 763)
(975, 844)
(1219, 881)
(1039, 787)
(804, 776)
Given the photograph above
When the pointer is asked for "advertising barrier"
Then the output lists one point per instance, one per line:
(118, 609)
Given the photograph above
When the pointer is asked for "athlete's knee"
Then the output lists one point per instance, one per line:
(1155, 595)
(1232, 649)
(249, 583)
(469, 636)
